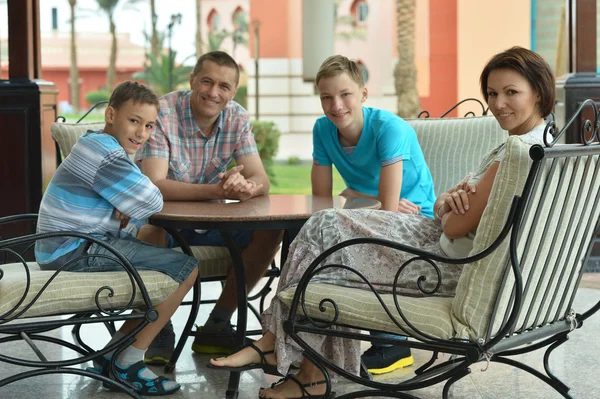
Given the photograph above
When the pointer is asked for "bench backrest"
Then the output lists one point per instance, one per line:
(67, 134)
(454, 147)
(561, 209)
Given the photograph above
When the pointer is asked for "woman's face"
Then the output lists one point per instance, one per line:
(513, 101)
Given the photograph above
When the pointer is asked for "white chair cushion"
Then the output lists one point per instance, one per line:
(67, 134)
(75, 292)
(453, 147)
(360, 308)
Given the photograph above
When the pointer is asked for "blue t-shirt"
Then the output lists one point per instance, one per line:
(385, 140)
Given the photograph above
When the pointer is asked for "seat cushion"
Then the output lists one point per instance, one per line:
(361, 309)
(480, 281)
(72, 292)
(460, 142)
(67, 134)
(214, 261)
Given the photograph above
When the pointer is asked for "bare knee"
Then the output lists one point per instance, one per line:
(153, 235)
(188, 283)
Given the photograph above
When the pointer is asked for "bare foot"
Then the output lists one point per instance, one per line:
(290, 389)
(244, 357)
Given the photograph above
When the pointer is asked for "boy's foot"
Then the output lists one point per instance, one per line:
(215, 345)
(160, 350)
(145, 381)
(100, 366)
(384, 359)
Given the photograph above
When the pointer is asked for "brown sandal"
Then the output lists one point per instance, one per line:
(305, 394)
(267, 368)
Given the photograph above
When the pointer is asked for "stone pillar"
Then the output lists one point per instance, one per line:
(27, 109)
(582, 80)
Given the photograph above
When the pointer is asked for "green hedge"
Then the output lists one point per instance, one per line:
(93, 97)
(266, 136)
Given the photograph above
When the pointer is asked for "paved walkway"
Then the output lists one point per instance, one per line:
(575, 362)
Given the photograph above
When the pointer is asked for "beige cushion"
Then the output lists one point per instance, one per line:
(214, 261)
(480, 281)
(67, 134)
(360, 308)
(72, 292)
(455, 147)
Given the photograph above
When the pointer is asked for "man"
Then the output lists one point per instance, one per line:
(198, 132)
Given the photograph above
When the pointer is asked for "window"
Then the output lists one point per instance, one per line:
(364, 70)
(359, 11)
(213, 21)
(237, 16)
(363, 12)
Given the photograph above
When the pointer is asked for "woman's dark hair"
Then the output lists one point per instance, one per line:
(531, 66)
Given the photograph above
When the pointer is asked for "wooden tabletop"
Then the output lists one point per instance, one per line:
(263, 208)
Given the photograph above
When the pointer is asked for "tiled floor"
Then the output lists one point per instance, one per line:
(576, 363)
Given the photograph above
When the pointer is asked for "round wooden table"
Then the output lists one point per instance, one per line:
(277, 212)
(270, 212)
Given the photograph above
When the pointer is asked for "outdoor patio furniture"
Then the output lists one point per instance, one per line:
(516, 290)
(215, 262)
(35, 303)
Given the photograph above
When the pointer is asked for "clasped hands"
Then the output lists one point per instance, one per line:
(235, 186)
(456, 199)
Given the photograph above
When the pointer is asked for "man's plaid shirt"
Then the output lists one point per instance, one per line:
(194, 158)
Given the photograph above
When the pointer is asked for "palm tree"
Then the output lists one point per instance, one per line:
(199, 43)
(74, 72)
(154, 41)
(405, 72)
(156, 73)
(215, 39)
(108, 7)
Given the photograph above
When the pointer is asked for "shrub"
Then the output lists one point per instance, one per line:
(241, 97)
(93, 97)
(266, 135)
(294, 160)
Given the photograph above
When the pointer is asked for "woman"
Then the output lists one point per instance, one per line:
(518, 86)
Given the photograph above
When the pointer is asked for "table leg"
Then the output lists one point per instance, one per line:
(242, 299)
(194, 309)
(288, 237)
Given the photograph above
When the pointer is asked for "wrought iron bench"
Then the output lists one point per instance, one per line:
(515, 294)
(34, 303)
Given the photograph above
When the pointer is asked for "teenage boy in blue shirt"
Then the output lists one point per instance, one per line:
(377, 155)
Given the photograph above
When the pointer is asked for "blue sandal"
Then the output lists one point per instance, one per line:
(101, 365)
(144, 386)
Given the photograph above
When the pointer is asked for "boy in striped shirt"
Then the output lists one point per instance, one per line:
(95, 191)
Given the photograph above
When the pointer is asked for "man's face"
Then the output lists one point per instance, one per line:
(212, 88)
(132, 124)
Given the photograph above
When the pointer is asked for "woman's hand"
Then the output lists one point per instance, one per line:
(457, 202)
(456, 199)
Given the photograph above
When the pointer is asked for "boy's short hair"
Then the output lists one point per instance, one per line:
(338, 64)
(134, 91)
(220, 58)
(531, 66)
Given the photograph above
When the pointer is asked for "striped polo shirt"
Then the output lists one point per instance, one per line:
(95, 179)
